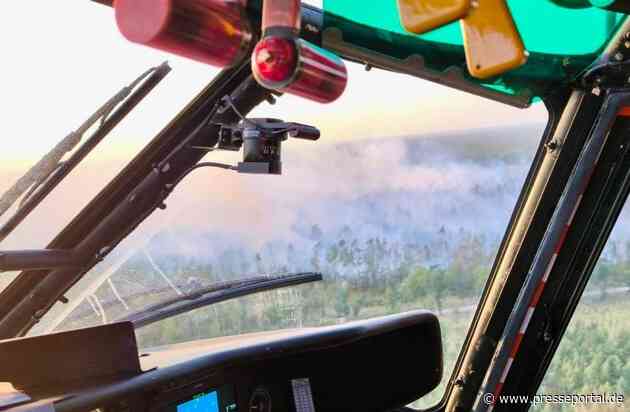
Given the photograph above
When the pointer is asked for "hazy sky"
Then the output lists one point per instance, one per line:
(62, 60)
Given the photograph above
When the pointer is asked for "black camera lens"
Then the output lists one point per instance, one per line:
(262, 139)
(261, 149)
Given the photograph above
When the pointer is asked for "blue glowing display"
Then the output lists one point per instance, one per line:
(205, 402)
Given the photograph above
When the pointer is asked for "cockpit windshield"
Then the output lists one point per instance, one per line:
(396, 212)
(277, 180)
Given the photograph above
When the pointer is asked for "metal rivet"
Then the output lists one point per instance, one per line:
(552, 145)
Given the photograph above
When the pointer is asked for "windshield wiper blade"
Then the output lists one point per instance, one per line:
(215, 293)
(34, 188)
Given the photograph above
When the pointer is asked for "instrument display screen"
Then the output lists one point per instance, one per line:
(206, 402)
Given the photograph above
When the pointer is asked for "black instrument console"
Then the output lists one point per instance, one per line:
(372, 365)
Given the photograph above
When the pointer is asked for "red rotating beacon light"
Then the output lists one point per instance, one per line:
(281, 61)
(214, 32)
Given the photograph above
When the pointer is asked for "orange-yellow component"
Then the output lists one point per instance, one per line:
(420, 16)
(491, 40)
(624, 111)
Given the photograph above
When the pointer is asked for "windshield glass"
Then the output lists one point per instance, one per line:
(46, 105)
(400, 205)
(398, 212)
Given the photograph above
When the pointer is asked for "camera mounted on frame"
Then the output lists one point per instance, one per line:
(261, 140)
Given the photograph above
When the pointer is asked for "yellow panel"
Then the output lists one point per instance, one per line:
(493, 45)
(420, 16)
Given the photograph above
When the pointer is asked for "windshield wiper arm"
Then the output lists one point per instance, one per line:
(35, 186)
(218, 292)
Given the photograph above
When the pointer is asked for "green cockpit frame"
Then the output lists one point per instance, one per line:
(562, 43)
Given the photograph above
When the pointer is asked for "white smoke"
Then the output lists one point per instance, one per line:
(421, 190)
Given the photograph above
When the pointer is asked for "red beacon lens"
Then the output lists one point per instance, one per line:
(298, 67)
(214, 32)
(274, 60)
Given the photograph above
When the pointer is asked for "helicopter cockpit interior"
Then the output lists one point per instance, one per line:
(88, 322)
